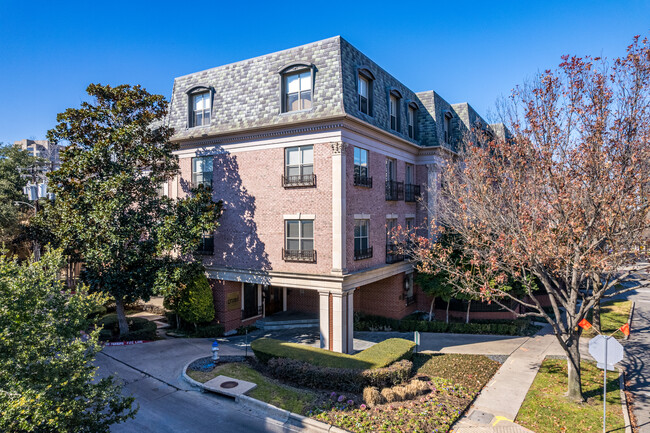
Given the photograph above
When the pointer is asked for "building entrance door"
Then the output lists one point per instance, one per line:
(273, 301)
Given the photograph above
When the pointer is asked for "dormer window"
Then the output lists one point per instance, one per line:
(393, 109)
(200, 103)
(411, 114)
(297, 89)
(364, 91)
(447, 127)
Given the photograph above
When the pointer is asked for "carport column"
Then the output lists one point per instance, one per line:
(343, 322)
(324, 316)
(338, 207)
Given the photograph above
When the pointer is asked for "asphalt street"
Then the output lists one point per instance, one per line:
(166, 407)
(637, 357)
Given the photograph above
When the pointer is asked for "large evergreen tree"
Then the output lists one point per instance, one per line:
(47, 377)
(108, 210)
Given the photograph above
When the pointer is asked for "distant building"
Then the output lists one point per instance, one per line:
(42, 149)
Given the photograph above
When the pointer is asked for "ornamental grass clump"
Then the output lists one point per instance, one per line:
(372, 397)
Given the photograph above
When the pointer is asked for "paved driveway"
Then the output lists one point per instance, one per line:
(151, 372)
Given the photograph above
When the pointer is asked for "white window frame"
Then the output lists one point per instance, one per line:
(307, 73)
(359, 222)
(393, 111)
(301, 236)
(208, 160)
(301, 160)
(206, 98)
(363, 167)
(360, 94)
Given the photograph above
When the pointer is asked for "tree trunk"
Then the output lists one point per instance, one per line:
(574, 391)
(447, 317)
(469, 304)
(121, 317)
(433, 301)
(596, 316)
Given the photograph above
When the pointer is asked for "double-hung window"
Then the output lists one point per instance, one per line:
(447, 128)
(202, 171)
(361, 177)
(394, 112)
(362, 250)
(410, 121)
(297, 88)
(299, 166)
(299, 241)
(201, 109)
(411, 190)
(365, 91)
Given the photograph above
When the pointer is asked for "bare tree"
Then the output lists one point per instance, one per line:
(555, 205)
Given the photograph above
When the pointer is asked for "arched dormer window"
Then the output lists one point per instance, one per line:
(447, 126)
(296, 87)
(365, 78)
(200, 106)
(411, 119)
(394, 99)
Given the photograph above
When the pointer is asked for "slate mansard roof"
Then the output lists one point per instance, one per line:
(247, 94)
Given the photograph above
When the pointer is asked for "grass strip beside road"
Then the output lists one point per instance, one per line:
(547, 410)
(268, 390)
(613, 315)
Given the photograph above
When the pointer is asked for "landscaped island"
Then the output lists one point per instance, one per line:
(384, 388)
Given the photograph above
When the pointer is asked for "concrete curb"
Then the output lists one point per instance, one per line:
(282, 415)
(629, 319)
(626, 413)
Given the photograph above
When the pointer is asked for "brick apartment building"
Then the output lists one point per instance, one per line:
(315, 151)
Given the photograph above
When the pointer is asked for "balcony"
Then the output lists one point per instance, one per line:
(305, 256)
(299, 181)
(364, 181)
(363, 254)
(411, 192)
(410, 300)
(392, 255)
(394, 190)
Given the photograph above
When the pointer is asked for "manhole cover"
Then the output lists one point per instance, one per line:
(229, 384)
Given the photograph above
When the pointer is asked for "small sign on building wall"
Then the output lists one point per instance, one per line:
(233, 301)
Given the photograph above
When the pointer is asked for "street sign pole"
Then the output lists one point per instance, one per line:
(605, 388)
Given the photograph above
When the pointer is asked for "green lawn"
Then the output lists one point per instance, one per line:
(613, 315)
(267, 390)
(546, 410)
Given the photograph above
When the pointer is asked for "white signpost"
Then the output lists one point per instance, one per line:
(607, 352)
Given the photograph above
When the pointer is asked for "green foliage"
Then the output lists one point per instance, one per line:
(189, 294)
(108, 212)
(341, 379)
(491, 327)
(379, 355)
(47, 377)
(139, 329)
(11, 190)
(208, 331)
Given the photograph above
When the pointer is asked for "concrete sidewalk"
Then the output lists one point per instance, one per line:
(496, 407)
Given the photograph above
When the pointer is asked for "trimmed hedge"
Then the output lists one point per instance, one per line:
(496, 327)
(342, 379)
(209, 331)
(139, 329)
(377, 356)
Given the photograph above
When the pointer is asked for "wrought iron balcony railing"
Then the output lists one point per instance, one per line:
(392, 254)
(307, 256)
(394, 190)
(300, 180)
(363, 254)
(411, 192)
(364, 181)
(410, 300)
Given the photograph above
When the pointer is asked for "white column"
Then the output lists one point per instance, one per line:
(284, 299)
(338, 207)
(339, 323)
(324, 316)
(350, 320)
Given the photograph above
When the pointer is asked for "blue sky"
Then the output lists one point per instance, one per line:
(466, 51)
